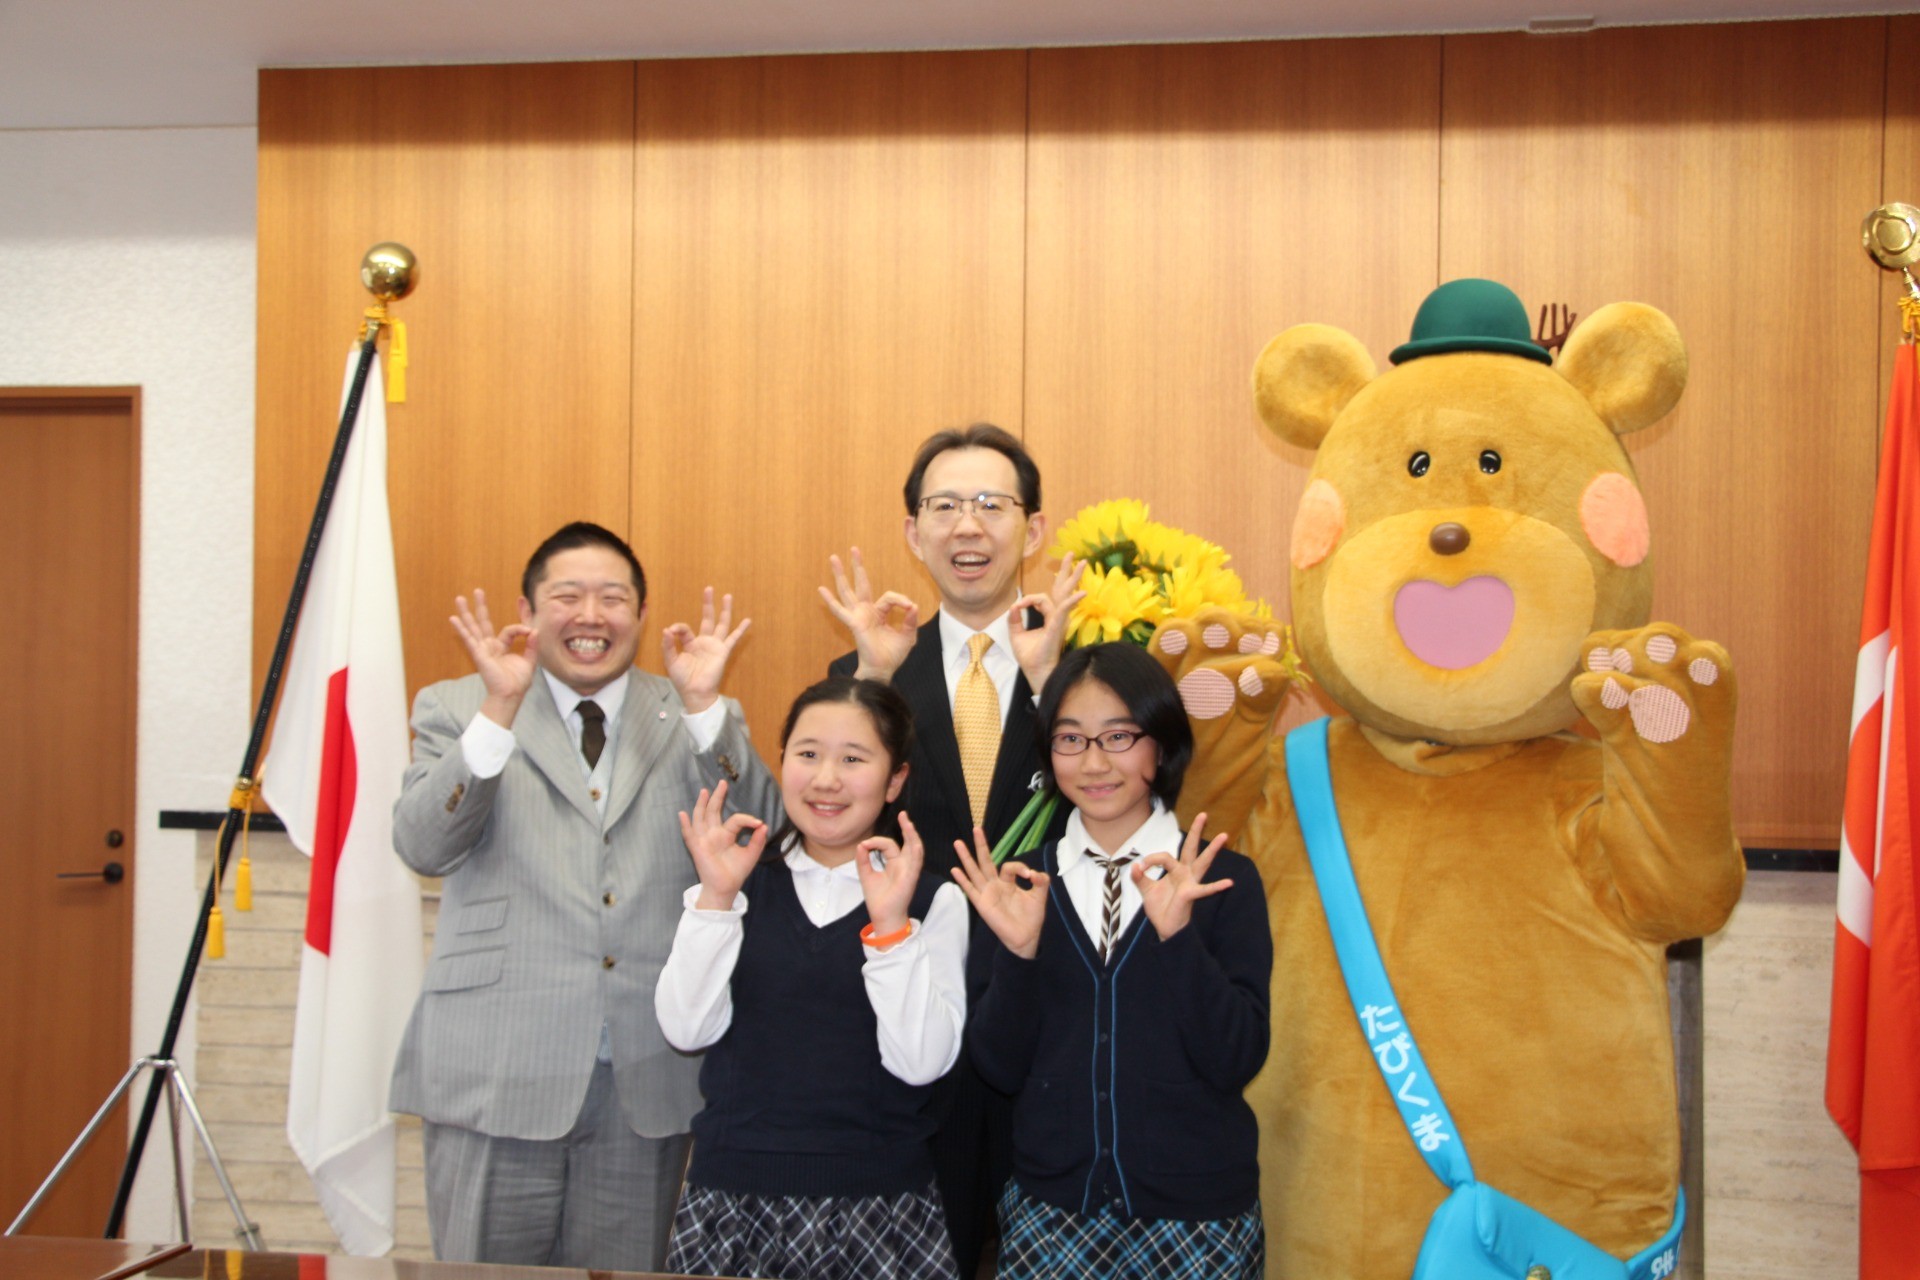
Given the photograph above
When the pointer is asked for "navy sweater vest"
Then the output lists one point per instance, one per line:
(798, 1102)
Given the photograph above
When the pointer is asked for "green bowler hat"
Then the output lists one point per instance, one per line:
(1471, 315)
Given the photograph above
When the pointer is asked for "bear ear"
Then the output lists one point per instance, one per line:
(1304, 379)
(1628, 361)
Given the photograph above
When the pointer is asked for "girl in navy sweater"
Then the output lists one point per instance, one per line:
(1128, 1003)
(827, 1011)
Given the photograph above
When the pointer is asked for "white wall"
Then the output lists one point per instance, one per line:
(127, 259)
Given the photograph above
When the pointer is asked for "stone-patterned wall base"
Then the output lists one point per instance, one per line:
(245, 1022)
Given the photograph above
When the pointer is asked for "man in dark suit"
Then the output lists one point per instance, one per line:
(970, 675)
(545, 788)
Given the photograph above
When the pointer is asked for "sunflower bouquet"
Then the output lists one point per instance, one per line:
(1138, 574)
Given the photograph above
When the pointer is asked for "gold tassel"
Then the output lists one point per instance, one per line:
(397, 364)
(216, 935)
(243, 877)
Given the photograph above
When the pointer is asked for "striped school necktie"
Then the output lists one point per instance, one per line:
(976, 726)
(1116, 869)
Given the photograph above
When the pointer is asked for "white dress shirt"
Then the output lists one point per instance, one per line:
(917, 987)
(1086, 880)
(487, 746)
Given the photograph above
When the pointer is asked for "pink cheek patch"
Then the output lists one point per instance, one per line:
(1614, 516)
(1318, 525)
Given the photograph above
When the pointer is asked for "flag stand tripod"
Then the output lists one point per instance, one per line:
(388, 273)
(166, 1071)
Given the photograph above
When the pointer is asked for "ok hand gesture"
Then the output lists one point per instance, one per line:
(889, 891)
(506, 671)
(883, 630)
(719, 859)
(1037, 650)
(1168, 900)
(696, 660)
(1015, 914)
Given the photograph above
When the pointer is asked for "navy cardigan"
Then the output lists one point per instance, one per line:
(1129, 1076)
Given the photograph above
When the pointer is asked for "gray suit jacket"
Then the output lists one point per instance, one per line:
(551, 921)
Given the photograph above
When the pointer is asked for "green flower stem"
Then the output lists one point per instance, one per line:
(1027, 829)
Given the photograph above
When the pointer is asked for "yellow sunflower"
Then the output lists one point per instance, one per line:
(1103, 533)
(1117, 606)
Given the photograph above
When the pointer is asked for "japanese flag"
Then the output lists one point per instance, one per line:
(339, 749)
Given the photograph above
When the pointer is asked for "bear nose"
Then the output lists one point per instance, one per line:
(1449, 539)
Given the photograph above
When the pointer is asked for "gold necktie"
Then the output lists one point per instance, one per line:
(976, 727)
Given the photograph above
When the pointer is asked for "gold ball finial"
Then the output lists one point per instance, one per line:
(1891, 236)
(389, 271)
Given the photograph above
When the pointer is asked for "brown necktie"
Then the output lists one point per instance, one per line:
(976, 726)
(593, 731)
(1115, 867)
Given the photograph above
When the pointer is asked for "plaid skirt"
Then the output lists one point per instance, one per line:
(725, 1233)
(1041, 1242)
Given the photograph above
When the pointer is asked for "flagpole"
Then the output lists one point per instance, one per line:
(389, 272)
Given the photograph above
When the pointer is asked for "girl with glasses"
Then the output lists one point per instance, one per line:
(1128, 1002)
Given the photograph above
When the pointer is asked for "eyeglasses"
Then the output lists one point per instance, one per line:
(1113, 742)
(943, 509)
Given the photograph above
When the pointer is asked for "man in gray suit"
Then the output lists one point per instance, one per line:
(546, 789)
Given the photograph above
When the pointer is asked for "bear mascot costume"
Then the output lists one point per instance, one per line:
(1470, 577)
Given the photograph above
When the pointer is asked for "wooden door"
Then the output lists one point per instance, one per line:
(69, 527)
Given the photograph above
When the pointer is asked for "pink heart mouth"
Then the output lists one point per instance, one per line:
(1453, 627)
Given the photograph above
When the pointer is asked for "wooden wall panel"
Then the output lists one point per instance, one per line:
(1186, 204)
(1900, 169)
(829, 270)
(1719, 173)
(514, 186)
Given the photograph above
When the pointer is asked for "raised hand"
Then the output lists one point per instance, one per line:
(1037, 649)
(697, 660)
(883, 630)
(719, 859)
(506, 671)
(1168, 899)
(1014, 913)
(889, 891)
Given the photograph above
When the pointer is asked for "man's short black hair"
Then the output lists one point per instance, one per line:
(1151, 698)
(981, 435)
(571, 537)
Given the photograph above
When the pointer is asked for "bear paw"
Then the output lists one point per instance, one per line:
(1661, 678)
(1224, 662)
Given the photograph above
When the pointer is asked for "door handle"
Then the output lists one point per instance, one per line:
(112, 873)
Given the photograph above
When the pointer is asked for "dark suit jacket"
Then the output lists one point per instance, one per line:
(936, 792)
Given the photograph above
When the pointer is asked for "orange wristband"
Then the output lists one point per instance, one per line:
(882, 942)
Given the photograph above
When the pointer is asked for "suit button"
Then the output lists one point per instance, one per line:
(606, 962)
(607, 898)
(606, 839)
(595, 793)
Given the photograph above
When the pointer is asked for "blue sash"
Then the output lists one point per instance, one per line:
(1477, 1231)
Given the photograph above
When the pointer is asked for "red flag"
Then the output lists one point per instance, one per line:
(339, 749)
(1873, 1045)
